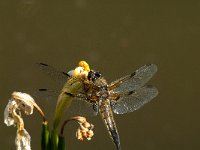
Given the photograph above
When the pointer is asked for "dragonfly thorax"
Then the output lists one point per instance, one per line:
(100, 87)
(102, 93)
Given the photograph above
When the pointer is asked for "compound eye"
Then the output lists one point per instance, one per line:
(90, 74)
(94, 78)
(97, 74)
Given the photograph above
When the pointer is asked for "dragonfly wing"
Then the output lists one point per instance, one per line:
(135, 100)
(50, 96)
(78, 106)
(53, 73)
(82, 107)
(134, 80)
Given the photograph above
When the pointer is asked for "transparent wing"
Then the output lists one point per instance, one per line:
(78, 106)
(134, 80)
(53, 73)
(135, 100)
(47, 95)
(82, 107)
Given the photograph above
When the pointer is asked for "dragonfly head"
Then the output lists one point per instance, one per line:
(93, 75)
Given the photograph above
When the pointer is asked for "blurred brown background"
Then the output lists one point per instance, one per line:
(116, 38)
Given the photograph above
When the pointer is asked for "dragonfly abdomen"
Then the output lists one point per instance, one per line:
(108, 119)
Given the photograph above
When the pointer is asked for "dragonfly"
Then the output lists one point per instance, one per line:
(126, 94)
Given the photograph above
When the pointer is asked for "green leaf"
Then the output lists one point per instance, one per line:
(64, 100)
(45, 136)
(61, 143)
(53, 140)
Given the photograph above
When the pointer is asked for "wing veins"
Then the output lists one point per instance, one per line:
(79, 105)
(134, 100)
(134, 80)
(53, 73)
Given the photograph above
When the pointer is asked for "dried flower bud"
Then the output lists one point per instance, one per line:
(22, 140)
(80, 119)
(86, 125)
(25, 102)
(85, 129)
(8, 118)
(79, 135)
(20, 102)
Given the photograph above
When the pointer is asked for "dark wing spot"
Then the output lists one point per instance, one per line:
(66, 74)
(69, 94)
(132, 74)
(42, 89)
(131, 92)
(43, 64)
